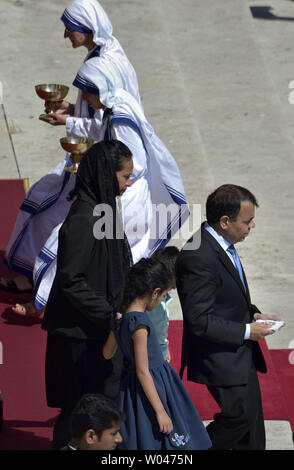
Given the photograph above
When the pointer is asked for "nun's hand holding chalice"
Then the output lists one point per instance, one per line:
(62, 107)
(58, 118)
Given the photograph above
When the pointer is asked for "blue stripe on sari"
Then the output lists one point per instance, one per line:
(38, 300)
(33, 208)
(128, 122)
(73, 24)
(176, 196)
(46, 255)
(10, 260)
(94, 53)
(22, 268)
(161, 242)
(85, 85)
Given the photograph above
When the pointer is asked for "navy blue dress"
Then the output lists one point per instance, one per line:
(140, 429)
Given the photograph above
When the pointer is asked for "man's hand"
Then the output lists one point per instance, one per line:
(259, 331)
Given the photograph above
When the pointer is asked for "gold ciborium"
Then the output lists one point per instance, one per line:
(77, 146)
(51, 92)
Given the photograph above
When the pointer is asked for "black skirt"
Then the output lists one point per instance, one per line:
(75, 367)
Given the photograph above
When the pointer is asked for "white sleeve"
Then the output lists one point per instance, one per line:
(247, 331)
(83, 127)
(131, 138)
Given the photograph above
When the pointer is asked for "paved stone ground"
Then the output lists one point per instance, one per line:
(214, 80)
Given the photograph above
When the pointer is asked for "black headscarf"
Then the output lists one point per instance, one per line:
(97, 183)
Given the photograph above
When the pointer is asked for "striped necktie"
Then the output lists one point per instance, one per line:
(233, 252)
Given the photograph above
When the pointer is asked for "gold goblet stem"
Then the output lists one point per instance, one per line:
(48, 116)
(75, 158)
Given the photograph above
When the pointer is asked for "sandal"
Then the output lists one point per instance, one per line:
(28, 310)
(12, 287)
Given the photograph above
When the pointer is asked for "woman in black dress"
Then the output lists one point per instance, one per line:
(93, 255)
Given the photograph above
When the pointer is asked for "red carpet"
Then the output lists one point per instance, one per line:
(277, 386)
(28, 421)
(12, 193)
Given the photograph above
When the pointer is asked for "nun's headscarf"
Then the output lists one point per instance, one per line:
(96, 176)
(88, 16)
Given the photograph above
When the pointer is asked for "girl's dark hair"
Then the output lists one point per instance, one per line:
(142, 278)
(226, 200)
(111, 155)
(168, 256)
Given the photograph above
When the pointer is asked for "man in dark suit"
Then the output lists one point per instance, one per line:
(220, 339)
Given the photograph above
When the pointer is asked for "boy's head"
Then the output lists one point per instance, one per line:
(168, 256)
(95, 423)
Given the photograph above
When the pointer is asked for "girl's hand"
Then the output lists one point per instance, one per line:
(164, 421)
(110, 347)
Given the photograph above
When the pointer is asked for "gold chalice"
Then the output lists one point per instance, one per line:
(77, 146)
(51, 93)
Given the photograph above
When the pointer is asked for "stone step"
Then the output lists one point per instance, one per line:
(245, 134)
(278, 435)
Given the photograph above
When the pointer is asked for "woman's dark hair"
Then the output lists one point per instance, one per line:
(142, 278)
(226, 200)
(98, 166)
(94, 411)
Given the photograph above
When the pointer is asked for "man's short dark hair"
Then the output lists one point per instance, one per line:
(226, 200)
(94, 411)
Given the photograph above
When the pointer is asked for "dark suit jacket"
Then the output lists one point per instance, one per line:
(77, 306)
(215, 309)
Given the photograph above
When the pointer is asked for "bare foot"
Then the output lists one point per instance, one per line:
(28, 309)
(18, 284)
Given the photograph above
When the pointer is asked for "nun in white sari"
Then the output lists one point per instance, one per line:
(46, 205)
(154, 207)
(88, 17)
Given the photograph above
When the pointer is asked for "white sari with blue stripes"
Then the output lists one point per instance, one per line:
(45, 205)
(88, 16)
(156, 181)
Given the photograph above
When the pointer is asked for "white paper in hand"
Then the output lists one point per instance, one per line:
(272, 324)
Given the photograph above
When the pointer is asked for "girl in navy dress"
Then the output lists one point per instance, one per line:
(159, 411)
